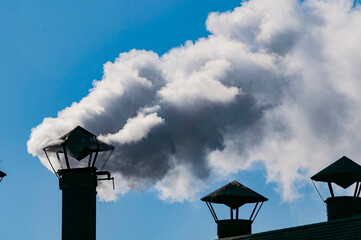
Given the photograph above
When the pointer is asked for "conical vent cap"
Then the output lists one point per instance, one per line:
(234, 195)
(344, 172)
(79, 143)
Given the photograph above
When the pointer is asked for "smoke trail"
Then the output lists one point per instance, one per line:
(275, 82)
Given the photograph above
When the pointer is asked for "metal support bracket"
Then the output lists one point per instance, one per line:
(108, 177)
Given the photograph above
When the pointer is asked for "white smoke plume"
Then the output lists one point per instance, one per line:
(276, 82)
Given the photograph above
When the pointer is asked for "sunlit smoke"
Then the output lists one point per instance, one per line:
(276, 82)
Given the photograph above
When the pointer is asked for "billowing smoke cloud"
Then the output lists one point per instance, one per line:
(276, 82)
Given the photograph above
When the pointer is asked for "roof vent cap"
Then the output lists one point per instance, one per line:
(234, 195)
(344, 172)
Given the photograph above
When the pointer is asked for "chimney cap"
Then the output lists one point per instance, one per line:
(344, 172)
(80, 143)
(234, 195)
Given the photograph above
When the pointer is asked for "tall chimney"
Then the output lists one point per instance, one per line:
(234, 195)
(344, 172)
(79, 203)
(78, 184)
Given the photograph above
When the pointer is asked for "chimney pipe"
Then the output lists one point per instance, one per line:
(79, 203)
(78, 185)
(343, 207)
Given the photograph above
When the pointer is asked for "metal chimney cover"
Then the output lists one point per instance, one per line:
(234, 195)
(79, 143)
(344, 172)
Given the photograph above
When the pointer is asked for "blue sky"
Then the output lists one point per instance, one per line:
(51, 52)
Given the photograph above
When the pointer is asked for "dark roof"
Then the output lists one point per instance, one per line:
(234, 195)
(2, 174)
(344, 172)
(79, 143)
(347, 228)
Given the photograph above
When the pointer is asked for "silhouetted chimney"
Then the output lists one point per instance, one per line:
(78, 184)
(344, 172)
(2, 175)
(234, 195)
